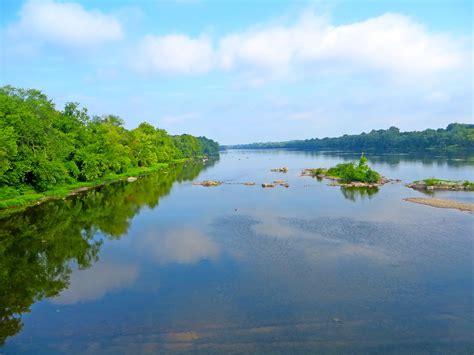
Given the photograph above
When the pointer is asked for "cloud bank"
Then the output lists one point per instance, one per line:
(391, 43)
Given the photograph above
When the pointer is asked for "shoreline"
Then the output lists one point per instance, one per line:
(21, 202)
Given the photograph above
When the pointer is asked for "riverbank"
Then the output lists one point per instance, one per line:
(14, 200)
(442, 203)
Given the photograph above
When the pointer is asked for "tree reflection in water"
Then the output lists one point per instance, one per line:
(353, 193)
(39, 245)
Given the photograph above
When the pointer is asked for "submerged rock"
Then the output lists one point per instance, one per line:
(281, 183)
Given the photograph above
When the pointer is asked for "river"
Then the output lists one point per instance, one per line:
(162, 265)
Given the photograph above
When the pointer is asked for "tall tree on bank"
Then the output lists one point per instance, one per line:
(43, 147)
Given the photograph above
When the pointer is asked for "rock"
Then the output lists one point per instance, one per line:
(307, 172)
(132, 179)
(268, 185)
(441, 186)
(281, 183)
(208, 183)
(280, 170)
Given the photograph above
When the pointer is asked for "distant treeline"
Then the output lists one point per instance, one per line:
(456, 136)
(42, 147)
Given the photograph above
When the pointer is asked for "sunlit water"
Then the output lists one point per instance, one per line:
(162, 265)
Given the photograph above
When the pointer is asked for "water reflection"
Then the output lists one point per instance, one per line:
(95, 282)
(39, 246)
(249, 270)
(450, 159)
(354, 193)
(182, 246)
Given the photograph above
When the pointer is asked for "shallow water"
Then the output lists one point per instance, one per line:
(162, 265)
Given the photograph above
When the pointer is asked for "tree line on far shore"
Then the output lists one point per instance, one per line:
(455, 137)
(42, 147)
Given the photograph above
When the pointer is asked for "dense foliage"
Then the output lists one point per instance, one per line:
(42, 147)
(455, 137)
(351, 171)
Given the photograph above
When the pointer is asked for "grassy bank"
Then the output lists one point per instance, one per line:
(14, 198)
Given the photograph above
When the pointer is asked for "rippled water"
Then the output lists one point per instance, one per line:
(162, 265)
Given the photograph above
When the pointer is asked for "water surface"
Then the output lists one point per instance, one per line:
(162, 265)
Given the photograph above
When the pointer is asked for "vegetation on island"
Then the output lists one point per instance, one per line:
(454, 138)
(46, 151)
(439, 184)
(350, 172)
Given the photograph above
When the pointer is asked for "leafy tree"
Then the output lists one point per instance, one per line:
(43, 147)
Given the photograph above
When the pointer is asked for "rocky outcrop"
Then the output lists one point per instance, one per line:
(280, 170)
(281, 183)
(208, 183)
(441, 186)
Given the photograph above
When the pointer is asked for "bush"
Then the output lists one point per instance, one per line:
(352, 172)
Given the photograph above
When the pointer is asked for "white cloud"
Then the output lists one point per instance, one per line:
(392, 43)
(64, 24)
(174, 54)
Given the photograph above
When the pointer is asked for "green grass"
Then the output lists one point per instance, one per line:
(25, 196)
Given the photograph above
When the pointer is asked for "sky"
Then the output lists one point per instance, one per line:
(247, 71)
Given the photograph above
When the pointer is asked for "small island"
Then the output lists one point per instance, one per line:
(433, 184)
(350, 174)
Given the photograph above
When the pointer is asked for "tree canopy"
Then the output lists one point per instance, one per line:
(455, 137)
(42, 147)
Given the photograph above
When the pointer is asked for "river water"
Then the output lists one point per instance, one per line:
(162, 265)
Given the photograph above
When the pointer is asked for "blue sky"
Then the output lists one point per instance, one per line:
(245, 71)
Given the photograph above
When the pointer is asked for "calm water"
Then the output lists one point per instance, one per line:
(161, 265)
